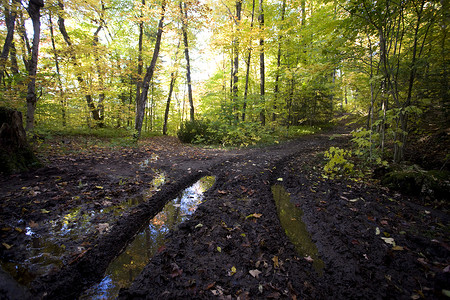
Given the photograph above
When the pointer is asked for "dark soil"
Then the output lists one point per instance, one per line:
(234, 245)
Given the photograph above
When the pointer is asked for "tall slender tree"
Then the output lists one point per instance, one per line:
(262, 68)
(173, 78)
(184, 19)
(10, 20)
(247, 73)
(34, 10)
(58, 72)
(277, 74)
(142, 99)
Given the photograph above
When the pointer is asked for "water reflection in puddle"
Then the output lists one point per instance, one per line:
(122, 271)
(45, 249)
(291, 219)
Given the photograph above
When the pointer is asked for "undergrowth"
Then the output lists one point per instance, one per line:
(242, 134)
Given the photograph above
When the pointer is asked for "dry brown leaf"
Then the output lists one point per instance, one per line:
(255, 273)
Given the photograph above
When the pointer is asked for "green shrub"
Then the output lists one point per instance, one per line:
(338, 162)
(191, 130)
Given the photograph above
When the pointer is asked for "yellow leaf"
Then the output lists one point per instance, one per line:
(7, 246)
(398, 248)
(219, 249)
(99, 187)
(275, 262)
(44, 211)
(233, 271)
(255, 215)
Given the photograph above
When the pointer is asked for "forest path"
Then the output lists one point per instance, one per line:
(93, 200)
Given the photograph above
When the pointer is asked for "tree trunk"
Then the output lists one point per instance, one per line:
(13, 58)
(169, 97)
(58, 73)
(173, 78)
(277, 76)
(412, 75)
(235, 76)
(184, 17)
(90, 103)
(247, 73)
(15, 153)
(34, 8)
(262, 116)
(101, 97)
(10, 20)
(140, 102)
(140, 61)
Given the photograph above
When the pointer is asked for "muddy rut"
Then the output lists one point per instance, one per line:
(366, 240)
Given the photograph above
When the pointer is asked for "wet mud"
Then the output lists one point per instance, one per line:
(270, 227)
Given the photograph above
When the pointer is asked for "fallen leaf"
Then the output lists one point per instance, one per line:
(176, 271)
(309, 258)
(280, 179)
(103, 227)
(99, 187)
(377, 231)
(33, 224)
(210, 286)
(397, 248)
(219, 249)
(7, 246)
(232, 271)
(388, 240)
(275, 262)
(255, 215)
(222, 192)
(44, 211)
(255, 273)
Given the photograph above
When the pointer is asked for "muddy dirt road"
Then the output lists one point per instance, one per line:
(269, 227)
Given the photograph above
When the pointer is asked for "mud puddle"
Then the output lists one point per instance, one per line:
(47, 243)
(124, 268)
(291, 219)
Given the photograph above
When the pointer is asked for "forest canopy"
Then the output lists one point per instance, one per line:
(238, 72)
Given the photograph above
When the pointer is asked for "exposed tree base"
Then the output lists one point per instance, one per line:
(15, 152)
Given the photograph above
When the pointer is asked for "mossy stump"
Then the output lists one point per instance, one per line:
(15, 152)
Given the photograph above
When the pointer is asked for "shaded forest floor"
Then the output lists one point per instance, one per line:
(62, 225)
